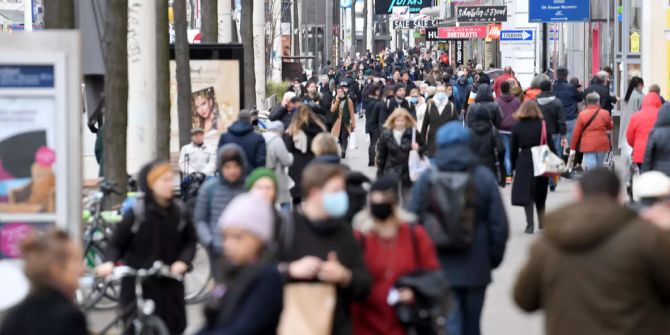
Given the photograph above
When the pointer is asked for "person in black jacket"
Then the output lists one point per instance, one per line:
(657, 155)
(322, 247)
(485, 101)
(398, 101)
(599, 85)
(570, 96)
(554, 117)
(487, 143)
(161, 232)
(284, 111)
(242, 133)
(374, 94)
(52, 264)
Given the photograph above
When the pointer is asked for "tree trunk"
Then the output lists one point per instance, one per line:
(59, 14)
(116, 94)
(209, 21)
(246, 31)
(162, 81)
(182, 57)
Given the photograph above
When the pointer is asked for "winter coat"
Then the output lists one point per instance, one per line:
(44, 311)
(301, 159)
(337, 109)
(508, 104)
(279, 160)
(501, 79)
(525, 135)
(243, 134)
(410, 253)
(470, 268)
(369, 106)
(252, 305)
(393, 157)
(432, 121)
(213, 198)
(487, 107)
(569, 96)
(197, 158)
(164, 234)
(461, 95)
(553, 113)
(410, 85)
(657, 155)
(641, 124)
(391, 104)
(631, 107)
(318, 239)
(596, 137)
(486, 143)
(280, 113)
(606, 100)
(598, 270)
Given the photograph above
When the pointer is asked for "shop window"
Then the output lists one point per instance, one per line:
(635, 27)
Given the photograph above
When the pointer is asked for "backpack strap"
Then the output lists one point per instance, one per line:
(182, 215)
(139, 211)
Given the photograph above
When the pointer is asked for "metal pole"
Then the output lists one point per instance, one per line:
(258, 19)
(225, 21)
(27, 15)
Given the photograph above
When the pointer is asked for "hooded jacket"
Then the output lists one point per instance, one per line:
(657, 154)
(509, 104)
(598, 270)
(213, 198)
(485, 102)
(606, 100)
(242, 133)
(569, 96)
(471, 268)
(486, 143)
(553, 113)
(641, 124)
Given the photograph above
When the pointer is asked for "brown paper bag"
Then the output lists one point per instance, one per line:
(309, 309)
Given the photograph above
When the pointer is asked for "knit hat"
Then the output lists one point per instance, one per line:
(397, 87)
(385, 184)
(250, 212)
(277, 126)
(452, 133)
(257, 174)
(156, 172)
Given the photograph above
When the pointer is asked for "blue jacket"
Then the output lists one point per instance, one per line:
(473, 267)
(569, 96)
(242, 134)
(461, 95)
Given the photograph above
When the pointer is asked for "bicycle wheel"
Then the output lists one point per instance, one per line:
(153, 325)
(91, 290)
(197, 282)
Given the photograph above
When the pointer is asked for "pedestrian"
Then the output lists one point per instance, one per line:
(467, 266)
(279, 160)
(52, 264)
(506, 76)
(509, 104)
(595, 242)
(656, 89)
(462, 90)
(528, 190)
(156, 228)
(284, 111)
(591, 135)
(440, 111)
(389, 236)
(250, 299)
(599, 85)
(641, 124)
(345, 120)
(326, 149)
(553, 115)
(299, 136)
(570, 97)
(657, 154)
(213, 198)
(322, 247)
(393, 148)
(486, 141)
(242, 133)
(485, 101)
(406, 80)
(532, 92)
(197, 156)
(397, 101)
(369, 105)
(421, 107)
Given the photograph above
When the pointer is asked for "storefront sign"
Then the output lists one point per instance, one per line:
(481, 14)
(493, 31)
(516, 35)
(635, 43)
(457, 33)
(415, 24)
(459, 52)
(558, 10)
(386, 6)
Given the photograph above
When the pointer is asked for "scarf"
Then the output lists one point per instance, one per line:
(300, 141)
(344, 109)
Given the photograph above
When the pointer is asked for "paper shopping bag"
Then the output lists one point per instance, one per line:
(309, 309)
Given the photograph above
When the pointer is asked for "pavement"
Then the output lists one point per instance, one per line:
(500, 316)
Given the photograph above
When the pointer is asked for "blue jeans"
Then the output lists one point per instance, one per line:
(593, 160)
(571, 129)
(466, 310)
(507, 141)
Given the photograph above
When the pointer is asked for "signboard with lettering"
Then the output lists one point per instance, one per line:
(493, 31)
(558, 10)
(459, 52)
(386, 6)
(481, 13)
(517, 35)
(415, 24)
(455, 33)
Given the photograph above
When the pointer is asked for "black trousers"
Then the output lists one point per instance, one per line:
(372, 149)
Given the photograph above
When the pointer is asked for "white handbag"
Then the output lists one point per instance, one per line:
(545, 162)
(416, 164)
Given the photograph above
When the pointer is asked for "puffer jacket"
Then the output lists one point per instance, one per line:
(641, 124)
(486, 141)
(393, 157)
(553, 113)
(657, 155)
(242, 133)
(595, 138)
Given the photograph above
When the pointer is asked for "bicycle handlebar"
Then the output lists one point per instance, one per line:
(109, 187)
(157, 270)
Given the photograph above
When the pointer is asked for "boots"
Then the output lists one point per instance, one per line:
(530, 228)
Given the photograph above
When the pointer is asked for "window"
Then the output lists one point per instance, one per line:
(635, 26)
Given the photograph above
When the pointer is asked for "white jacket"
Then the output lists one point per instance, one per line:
(197, 159)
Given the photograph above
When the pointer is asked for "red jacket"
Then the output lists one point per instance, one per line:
(504, 77)
(388, 260)
(596, 137)
(641, 124)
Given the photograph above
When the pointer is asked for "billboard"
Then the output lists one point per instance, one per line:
(456, 33)
(558, 10)
(386, 6)
(481, 13)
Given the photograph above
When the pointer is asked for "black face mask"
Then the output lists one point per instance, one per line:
(381, 211)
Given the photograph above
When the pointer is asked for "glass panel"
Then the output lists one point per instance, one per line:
(635, 26)
(619, 25)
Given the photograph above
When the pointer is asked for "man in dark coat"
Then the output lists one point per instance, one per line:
(597, 243)
(439, 112)
(468, 272)
(570, 97)
(284, 111)
(242, 133)
(398, 101)
(599, 85)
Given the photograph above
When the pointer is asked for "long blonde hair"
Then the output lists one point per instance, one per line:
(399, 112)
(304, 116)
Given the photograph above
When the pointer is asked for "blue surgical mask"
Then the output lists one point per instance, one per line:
(336, 204)
(440, 97)
(413, 100)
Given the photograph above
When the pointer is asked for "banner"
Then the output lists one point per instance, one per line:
(455, 33)
(386, 6)
(415, 24)
(481, 13)
(559, 10)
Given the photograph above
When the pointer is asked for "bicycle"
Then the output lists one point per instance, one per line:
(144, 321)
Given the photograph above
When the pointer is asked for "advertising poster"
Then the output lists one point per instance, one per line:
(215, 102)
(27, 155)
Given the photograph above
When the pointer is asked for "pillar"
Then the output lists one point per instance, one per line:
(259, 52)
(225, 19)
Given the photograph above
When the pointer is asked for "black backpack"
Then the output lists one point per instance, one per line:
(450, 213)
